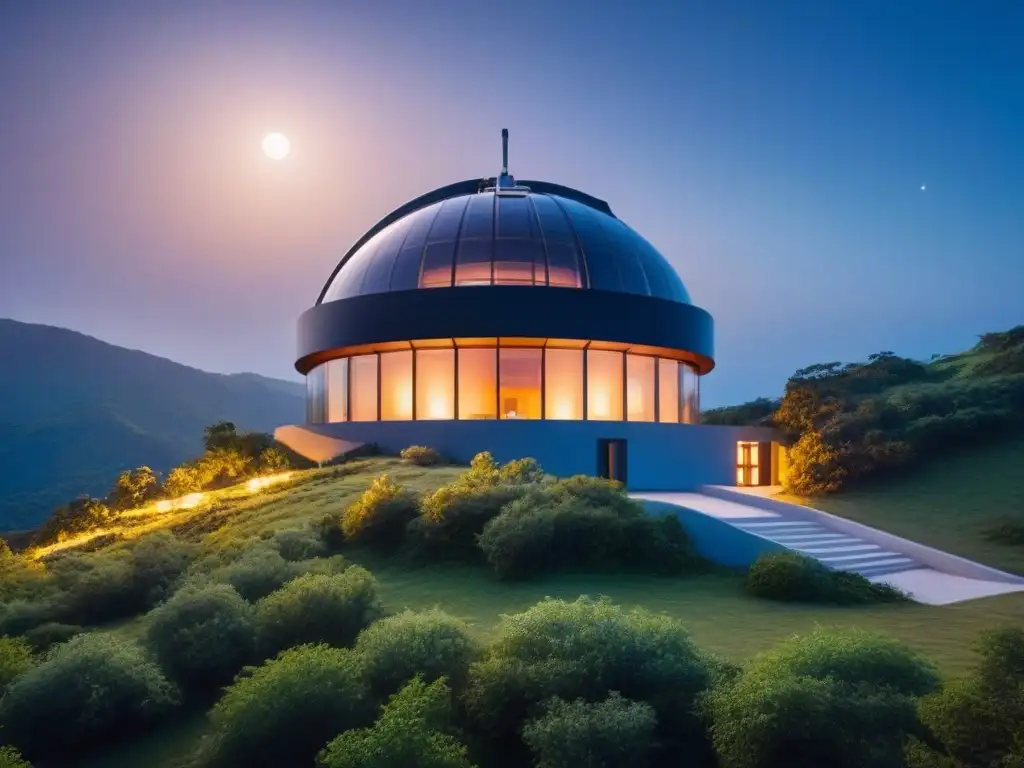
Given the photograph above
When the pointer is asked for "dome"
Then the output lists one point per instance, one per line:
(536, 234)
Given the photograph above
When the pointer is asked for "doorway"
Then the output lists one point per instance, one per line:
(748, 465)
(611, 459)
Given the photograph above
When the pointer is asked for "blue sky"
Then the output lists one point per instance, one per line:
(774, 152)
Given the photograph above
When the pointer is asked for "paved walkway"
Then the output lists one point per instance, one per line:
(840, 551)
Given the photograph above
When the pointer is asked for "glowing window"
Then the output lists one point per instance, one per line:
(668, 390)
(689, 399)
(604, 385)
(435, 384)
(315, 386)
(396, 386)
(363, 391)
(478, 383)
(337, 390)
(640, 388)
(519, 383)
(563, 381)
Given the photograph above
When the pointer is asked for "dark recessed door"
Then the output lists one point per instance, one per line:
(611, 459)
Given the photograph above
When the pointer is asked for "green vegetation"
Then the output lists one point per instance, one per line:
(794, 578)
(850, 422)
(421, 456)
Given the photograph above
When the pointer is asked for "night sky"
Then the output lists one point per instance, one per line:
(775, 152)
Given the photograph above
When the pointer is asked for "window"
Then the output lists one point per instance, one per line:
(689, 400)
(519, 383)
(396, 386)
(435, 384)
(563, 381)
(315, 386)
(337, 390)
(604, 385)
(748, 470)
(478, 383)
(640, 388)
(668, 390)
(363, 392)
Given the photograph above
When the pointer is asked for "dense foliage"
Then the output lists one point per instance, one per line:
(849, 422)
(792, 577)
(410, 733)
(379, 517)
(420, 455)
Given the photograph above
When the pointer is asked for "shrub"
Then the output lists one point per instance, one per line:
(795, 578)
(585, 650)
(133, 489)
(93, 687)
(256, 573)
(79, 516)
(52, 633)
(332, 609)
(15, 659)
(978, 719)
(408, 734)
(420, 455)
(378, 518)
(550, 528)
(431, 644)
(10, 758)
(454, 515)
(158, 561)
(94, 588)
(614, 733)
(284, 711)
(19, 575)
(20, 616)
(203, 636)
(843, 699)
(295, 544)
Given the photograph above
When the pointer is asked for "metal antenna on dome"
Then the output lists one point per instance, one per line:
(504, 151)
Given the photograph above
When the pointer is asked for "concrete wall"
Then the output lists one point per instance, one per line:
(717, 540)
(933, 558)
(673, 457)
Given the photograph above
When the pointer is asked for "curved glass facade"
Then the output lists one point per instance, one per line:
(519, 379)
(489, 239)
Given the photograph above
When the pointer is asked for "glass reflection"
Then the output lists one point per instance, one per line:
(639, 388)
(337, 390)
(563, 382)
(604, 385)
(396, 386)
(668, 390)
(363, 391)
(315, 395)
(435, 384)
(519, 383)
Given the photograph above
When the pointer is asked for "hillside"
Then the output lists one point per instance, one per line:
(75, 411)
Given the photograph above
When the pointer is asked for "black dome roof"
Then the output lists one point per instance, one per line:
(534, 234)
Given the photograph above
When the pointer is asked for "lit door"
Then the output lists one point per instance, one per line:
(747, 465)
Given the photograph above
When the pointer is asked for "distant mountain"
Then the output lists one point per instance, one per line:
(75, 411)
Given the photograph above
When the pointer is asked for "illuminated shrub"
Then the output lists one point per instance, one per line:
(420, 455)
(284, 711)
(203, 636)
(454, 515)
(795, 578)
(410, 733)
(431, 644)
(88, 690)
(585, 650)
(614, 733)
(313, 608)
(378, 518)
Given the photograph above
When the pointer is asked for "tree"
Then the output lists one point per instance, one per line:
(220, 435)
(133, 488)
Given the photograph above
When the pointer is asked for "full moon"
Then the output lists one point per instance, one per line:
(276, 146)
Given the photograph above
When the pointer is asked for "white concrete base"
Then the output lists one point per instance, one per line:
(707, 505)
(928, 586)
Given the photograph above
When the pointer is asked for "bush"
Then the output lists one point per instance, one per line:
(10, 758)
(295, 544)
(795, 578)
(15, 660)
(614, 733)
(95, 588)
(20, 616)
(203, 636)
(286, 710)
(420, 455)
(551, 528)
(91, 688)
(79, 516)
(585, 650)
(978, 719)
(256, 573)
(842, 699)
(158, 561)
(408, 734)
(378, 518)
(431, 644)
(52, 633)
(332, 609)
(454, 515)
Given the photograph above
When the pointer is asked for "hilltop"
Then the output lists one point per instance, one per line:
(75, 411)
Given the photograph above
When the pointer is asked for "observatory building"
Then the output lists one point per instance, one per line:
(521, 318)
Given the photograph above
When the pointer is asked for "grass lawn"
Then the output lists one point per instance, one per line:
(948, 504)
(945, 506)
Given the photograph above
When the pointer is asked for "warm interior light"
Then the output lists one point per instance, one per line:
(600, 404)
(562, 409)
(437, 406)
